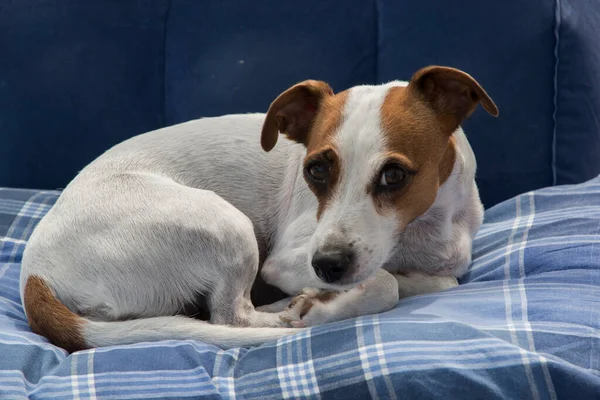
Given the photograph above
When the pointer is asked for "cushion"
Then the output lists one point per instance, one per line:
(238, 56)
(77, 77)
(525, 323)
(576, 142)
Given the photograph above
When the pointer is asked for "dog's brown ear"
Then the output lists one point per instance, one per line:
(452, 93)
(293, 113)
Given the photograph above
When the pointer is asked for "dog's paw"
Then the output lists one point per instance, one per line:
(314, 307)
(299, 306)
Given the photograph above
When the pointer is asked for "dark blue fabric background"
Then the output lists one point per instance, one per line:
(79, 76)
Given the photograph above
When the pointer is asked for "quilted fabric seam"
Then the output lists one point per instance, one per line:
(557, 21)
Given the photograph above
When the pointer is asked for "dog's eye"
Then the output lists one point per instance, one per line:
(391, 176)
(318, 171)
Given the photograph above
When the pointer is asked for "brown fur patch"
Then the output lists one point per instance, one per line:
(321, 144)
(308, 301)
(325, 296)
(414, 133)
(293, 113)
(50, 318)
(418, 121)
(306, 306)
(452, 93)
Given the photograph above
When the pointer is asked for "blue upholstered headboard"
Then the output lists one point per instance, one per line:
(79, 76)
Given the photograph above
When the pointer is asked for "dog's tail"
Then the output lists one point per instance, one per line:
(52, 319)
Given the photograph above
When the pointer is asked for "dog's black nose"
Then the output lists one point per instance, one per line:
(330, 267)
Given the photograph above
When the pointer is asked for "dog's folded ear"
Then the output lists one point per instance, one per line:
(452, 93)
(293, 113)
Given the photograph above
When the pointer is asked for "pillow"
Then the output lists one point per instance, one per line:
(525, 323)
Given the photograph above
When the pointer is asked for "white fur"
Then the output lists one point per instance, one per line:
(182, 211)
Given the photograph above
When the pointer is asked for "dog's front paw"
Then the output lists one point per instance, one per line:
(313, 307)
(299, 306)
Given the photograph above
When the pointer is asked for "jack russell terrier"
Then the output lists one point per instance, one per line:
(373, 198)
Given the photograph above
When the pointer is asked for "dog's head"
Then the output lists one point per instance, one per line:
(375, 159)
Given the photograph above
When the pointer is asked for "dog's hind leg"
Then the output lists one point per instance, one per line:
(229, 301)
(150, 246)
(228, 260)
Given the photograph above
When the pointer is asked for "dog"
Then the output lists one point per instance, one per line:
(371, 199)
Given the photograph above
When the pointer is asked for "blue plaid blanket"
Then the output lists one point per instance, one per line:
(525, 324)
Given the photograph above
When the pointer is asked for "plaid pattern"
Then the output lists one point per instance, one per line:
(525, 325)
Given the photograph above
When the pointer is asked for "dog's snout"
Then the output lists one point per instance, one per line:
(330, 267)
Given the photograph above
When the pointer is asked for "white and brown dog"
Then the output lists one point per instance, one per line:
(372, 199)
